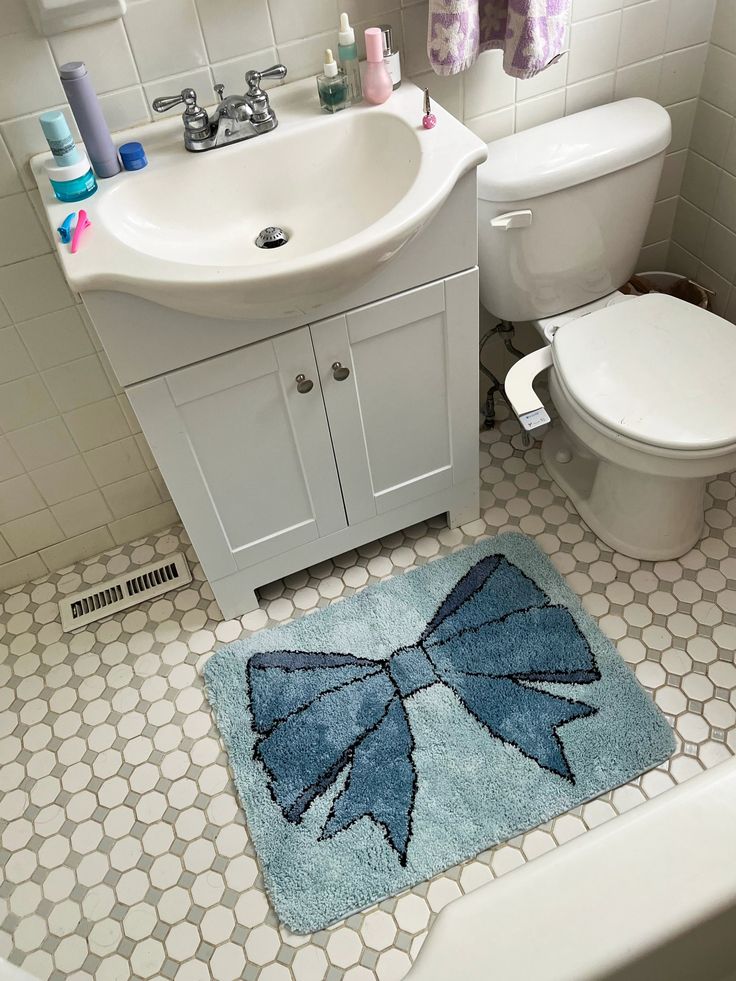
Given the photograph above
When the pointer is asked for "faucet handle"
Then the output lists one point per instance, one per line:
(187, 97)
(253, 78)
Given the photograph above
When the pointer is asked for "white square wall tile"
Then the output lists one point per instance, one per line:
(724, 25)
(641, 79)
(493, 125)
(132, 494)
(34, 287)
(711, 132)
(56, 338)
(414, 57)
(96, 424)
(231, 27)
(78, 383)
(292, 22)
(306, 57)
(670, 183)
(690, 22)
(643, 31)
(21, 570)
(724, 209)
(63, 480)
(126, 108)
(535, 112)
(592, 92)
(583, 9)
(16, 19)
(42, 444)
(729, 161)
(18, 498)
(719, 250)
(10, 182)
(700, 181)
(593, 47)
(165, 37)
(24, 402)
(77, 549)
(661, 221)
(10, 465)
(14, 359)
(487, 87)
(682, 74)
(719, 80)
(27, 238)
(80, 514)
(682, 116)
(6, 555)
(143, 523)
(30, 79)
(115, 461)
(690, 227)
(29, 534)
(104, 49)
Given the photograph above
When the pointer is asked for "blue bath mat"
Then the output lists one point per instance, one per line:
(377, 742)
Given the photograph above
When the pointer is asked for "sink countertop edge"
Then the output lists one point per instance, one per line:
(179, 285)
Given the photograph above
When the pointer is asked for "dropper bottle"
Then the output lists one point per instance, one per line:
(347, 52)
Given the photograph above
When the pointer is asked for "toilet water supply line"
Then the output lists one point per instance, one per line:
(506, 329)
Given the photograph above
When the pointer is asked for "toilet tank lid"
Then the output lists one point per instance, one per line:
(573, 150)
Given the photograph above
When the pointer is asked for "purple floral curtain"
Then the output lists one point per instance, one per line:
(531, 33)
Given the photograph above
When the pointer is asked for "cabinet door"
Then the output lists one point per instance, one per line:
(404, 422)
(246, 456)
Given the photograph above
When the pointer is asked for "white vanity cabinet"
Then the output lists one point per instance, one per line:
(246, 454)
(299, 447)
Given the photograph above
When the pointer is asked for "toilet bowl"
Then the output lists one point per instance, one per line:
(644, 387)
(646, 405)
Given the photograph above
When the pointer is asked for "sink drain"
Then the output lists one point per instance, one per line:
(272, 237)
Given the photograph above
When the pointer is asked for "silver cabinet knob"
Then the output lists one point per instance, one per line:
(340, 372)
(304, 384)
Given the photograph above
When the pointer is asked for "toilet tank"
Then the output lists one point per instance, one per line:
(563, 208)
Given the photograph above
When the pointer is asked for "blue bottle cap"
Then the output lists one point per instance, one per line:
(133, 156)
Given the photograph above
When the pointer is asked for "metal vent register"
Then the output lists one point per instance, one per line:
(123, 592)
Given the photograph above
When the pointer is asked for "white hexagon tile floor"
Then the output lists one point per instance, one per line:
(123, 851)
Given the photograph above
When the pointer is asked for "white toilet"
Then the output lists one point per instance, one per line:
(645, 388)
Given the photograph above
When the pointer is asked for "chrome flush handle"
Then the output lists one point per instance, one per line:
(303, 384)
(340, 372)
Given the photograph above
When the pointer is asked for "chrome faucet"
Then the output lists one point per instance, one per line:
(236, 118)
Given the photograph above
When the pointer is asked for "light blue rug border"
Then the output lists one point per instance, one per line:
(309, 881)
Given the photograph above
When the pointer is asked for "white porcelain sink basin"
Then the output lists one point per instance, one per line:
(349, 190)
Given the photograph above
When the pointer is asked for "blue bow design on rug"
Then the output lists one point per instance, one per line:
(493, 639)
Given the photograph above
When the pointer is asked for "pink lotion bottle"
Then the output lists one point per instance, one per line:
(377, 84)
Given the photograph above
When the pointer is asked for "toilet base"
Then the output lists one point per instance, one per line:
(638, 514)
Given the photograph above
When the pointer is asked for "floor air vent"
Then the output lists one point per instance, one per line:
(123, 592)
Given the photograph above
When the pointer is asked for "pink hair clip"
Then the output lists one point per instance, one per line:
(82, 223)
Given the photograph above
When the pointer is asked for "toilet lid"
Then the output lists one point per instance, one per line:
(658, 370)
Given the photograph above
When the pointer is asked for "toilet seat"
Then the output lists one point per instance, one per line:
(658, 371)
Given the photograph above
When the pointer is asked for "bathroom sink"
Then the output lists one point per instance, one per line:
(348, 191)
